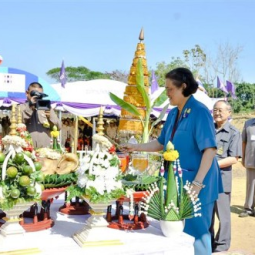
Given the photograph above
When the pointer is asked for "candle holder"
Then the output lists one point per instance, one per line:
(124, 221)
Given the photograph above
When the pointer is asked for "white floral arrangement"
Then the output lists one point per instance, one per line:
(21, 127)
(14, 140)
(53, 155)
(102, 142)
(99, 174)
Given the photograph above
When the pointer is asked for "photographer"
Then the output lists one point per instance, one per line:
(39, 122)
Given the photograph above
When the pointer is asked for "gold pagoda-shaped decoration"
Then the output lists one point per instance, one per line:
(129, 123)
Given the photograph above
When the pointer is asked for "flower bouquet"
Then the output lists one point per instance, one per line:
(99, 174)
(99, 184)
(170, 200)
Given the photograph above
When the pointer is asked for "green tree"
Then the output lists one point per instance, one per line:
(195, 59)
(245, 92)
(215, 92)
(162, 68)
(236, 104)
(79, 73)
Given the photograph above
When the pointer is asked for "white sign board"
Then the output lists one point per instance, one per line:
(12, 82)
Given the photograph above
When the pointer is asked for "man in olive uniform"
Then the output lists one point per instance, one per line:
(39, 122)
(228, 140)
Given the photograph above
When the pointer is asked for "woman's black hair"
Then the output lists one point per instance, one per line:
(182, 75)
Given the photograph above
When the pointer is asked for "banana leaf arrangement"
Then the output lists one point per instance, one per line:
(138, 183)
(148, 102)
(57, 180)
(169, 199)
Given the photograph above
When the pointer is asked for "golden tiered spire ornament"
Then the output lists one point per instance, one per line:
(137, 105)
(100, 123)
(129, 123)
(13, 121)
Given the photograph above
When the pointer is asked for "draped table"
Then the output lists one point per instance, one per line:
(58, 239)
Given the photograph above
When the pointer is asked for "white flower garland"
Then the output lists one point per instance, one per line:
(14, 140)
(130, 195)
(102, 141)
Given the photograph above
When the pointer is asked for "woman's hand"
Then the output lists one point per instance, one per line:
(195, 189)
(127, 147)
(149, 147)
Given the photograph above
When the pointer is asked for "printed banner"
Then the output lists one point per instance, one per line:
(12, 82)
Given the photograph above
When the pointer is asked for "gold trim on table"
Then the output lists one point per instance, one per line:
(96, 213)
(21, 252)
(98, 243)
(11, 220)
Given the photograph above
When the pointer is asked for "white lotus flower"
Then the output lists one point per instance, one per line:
(97, 184)
(84, 167)
(101, 155)
(86, 159)
(109, 156)
(38, 188)
(82, 181)
(105, 163)
(97, 170)
(1, 193)
(118, 184)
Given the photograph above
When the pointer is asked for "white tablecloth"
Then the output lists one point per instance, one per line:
(58, 239)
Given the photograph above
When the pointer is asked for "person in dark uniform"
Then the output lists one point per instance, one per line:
(248, 161)
(228, 140)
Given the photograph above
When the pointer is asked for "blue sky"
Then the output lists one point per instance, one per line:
(102, 35)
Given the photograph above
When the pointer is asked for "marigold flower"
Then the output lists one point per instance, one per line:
(171, 155)
(54, 133)
(46, 124)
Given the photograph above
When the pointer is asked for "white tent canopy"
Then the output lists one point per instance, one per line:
(90, 92)
(88, 96)
(84, 98)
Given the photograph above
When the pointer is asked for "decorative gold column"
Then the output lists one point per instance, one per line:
(75, 142)
(100, 123)
(13, 121)
(19, 115)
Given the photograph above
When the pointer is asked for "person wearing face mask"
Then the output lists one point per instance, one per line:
(189, 126)
(228, 140)
(38, 122)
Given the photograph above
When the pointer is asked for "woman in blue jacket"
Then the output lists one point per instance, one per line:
(189, 126)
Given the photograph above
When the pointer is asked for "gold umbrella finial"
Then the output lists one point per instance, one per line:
(100, 123)
(13, 121)
(141, 35)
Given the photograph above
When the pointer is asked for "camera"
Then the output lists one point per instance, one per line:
(41, 104)
(39, 95)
